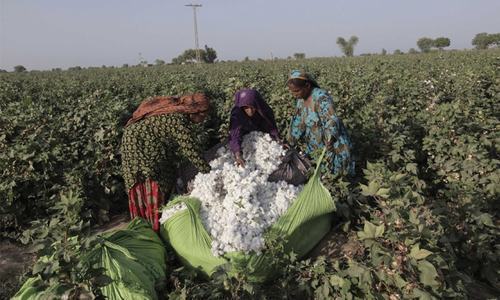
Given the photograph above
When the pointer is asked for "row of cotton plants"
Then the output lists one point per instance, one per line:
(238, 203)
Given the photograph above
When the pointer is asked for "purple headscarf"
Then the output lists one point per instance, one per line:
(241, 124)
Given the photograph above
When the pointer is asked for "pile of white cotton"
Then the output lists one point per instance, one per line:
(239, 204)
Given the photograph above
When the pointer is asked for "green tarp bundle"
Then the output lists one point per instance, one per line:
(302, 226)
(134, 258)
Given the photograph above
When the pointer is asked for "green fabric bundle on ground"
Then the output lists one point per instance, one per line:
(31, 290)
(134, 259)
(302, 226)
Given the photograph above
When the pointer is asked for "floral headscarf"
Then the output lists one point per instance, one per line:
(188, 104)
(301, 74)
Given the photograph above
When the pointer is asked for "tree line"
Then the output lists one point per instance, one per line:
(480, 41)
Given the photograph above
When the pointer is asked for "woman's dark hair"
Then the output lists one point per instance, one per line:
(297, 82)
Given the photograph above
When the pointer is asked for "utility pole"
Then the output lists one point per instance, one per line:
(195, 6)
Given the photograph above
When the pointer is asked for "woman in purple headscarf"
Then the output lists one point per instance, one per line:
(250, 112)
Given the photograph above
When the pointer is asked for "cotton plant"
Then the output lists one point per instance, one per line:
(238, 203)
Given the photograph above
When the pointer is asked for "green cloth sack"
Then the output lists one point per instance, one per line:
(134, 259)
(302, 226)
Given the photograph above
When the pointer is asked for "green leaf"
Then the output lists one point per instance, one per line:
(485, 219)
(418, 253)
(383, 192)
(336, 281)
(248, 288)
(414, 218)
(411, 167)
(379, 230)
(325, 291)
(398, 177)
(370, 231)
(399, 281)
(39, 267)
(354, 270)
(421, 295)
(371, 189)
(428, 274)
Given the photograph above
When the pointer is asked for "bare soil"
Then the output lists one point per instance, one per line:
(15, 260)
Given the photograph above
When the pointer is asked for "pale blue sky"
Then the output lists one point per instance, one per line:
(43, 34)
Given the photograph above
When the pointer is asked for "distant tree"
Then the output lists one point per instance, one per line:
(159, 62)
(188, 56)
(484, 40)
(246, 58)
(207, 55)
(299, 55)
(412, 51)
(210, 55)
(481, 40)
(425, 44)
(3, 71)
(56, 69)
(384, 52)
(398, 52)
(77, 68)
(441, 42)
(495, 39)
(19, 69)
(125, 66)
(347, 47)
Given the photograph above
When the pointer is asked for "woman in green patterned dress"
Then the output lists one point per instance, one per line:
(156, 137)
(317, 124)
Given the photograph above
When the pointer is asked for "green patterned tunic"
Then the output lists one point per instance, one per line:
(153, 147)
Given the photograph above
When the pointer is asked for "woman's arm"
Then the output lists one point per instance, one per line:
(235, 131)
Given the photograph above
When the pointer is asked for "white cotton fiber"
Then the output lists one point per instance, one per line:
(239, 204)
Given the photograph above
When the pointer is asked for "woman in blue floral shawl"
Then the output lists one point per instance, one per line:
(317, 125)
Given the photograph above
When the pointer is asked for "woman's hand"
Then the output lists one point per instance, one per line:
(190, 186)
(284, 144)
(239, 160)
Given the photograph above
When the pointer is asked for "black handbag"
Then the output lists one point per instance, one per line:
(294, 169)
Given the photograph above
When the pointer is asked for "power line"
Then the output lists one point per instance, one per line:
(195, 6)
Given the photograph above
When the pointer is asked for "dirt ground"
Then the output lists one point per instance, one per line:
(116, 222)
(15, 260)
(337, 244)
